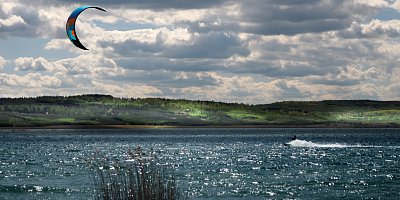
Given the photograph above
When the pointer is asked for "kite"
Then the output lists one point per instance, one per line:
(70, 28)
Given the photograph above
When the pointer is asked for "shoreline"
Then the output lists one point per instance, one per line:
(200, 126)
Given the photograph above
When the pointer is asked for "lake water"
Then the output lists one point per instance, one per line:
(211, 163)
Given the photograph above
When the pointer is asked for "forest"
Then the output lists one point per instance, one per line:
(103, 110)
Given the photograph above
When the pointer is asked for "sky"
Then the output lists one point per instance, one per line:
(247, 51)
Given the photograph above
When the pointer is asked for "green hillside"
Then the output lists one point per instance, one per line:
(108, 110)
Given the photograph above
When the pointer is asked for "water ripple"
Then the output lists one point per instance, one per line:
(210, 163)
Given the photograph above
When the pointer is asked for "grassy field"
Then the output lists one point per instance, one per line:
(107, 110)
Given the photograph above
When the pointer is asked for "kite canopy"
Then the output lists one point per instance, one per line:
(70, 28)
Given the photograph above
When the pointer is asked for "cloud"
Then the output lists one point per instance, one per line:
(244, 89)
(186, 79)
(396, 5)
(2, 62)
(36, 64)
(265, 17)
(291, 90)
(177, 43)
(24, 20)
(126, 90)
(375, 3)
(91, 64)
(57, 44)
(274, 17)
(154, 4)
(253, 51)
(210, 45)
(12, 22)
(375, 28)
(30, 80)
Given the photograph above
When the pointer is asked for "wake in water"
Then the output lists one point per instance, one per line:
(304, 143)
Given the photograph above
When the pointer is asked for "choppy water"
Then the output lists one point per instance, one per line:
(211, 163)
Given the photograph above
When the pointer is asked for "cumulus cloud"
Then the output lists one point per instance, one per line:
(253, 51)
(396, 5)
(36, 64)
(57, 44)
(375, 28)
(155, 4)
(274, 17)
(244, 89)
(12, 22)
(267, 17)
(349, 75)
(127, 90)
(176, 44)
(2, 62)
(17, 19)
(375, 3)
(30, 80)
(91, 64)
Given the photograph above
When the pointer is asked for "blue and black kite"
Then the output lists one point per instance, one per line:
(71, 25)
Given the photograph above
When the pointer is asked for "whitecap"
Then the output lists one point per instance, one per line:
(304, 143)
(38, 188)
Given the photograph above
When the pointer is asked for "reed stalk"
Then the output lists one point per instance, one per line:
(138, 178)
